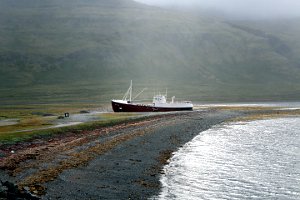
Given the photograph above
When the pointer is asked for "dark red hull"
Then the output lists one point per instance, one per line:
(120, 107)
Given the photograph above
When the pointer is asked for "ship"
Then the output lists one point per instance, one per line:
(159, 104)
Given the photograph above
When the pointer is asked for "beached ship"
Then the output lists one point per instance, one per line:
(159, 104)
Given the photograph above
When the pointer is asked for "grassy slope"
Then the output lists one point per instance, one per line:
(54, 51)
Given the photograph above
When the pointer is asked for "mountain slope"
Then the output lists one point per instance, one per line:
(98, 41)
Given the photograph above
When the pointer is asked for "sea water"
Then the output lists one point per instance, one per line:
(247, 160)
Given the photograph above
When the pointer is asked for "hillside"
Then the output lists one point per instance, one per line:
(74, 44)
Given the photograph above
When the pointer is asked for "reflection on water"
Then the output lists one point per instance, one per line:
(253, 160)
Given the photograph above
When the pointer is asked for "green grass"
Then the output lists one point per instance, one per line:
(32, 117)
(12, 134)
(28, 110)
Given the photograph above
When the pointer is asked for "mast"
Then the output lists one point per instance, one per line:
(130, 93)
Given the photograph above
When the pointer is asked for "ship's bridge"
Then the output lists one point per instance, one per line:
(159, 99)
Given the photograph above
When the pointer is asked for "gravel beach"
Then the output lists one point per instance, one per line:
(132, 169)
(123, 161)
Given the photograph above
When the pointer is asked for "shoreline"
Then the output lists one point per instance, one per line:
(121, 161)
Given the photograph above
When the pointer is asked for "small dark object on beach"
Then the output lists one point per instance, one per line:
(84, 112)
(60, 117)
(48, 115)
(67, 114)
(42, 114)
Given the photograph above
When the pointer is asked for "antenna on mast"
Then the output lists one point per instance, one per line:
(166, 92)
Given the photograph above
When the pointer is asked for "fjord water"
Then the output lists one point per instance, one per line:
(249, 160)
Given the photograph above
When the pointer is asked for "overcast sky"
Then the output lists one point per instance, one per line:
(243, 8)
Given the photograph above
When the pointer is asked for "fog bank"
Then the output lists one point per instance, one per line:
(256, 9)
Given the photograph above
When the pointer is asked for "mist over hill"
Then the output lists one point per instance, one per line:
(109, 42)
(235, 9)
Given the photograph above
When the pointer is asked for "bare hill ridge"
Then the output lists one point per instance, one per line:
(73, 42)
